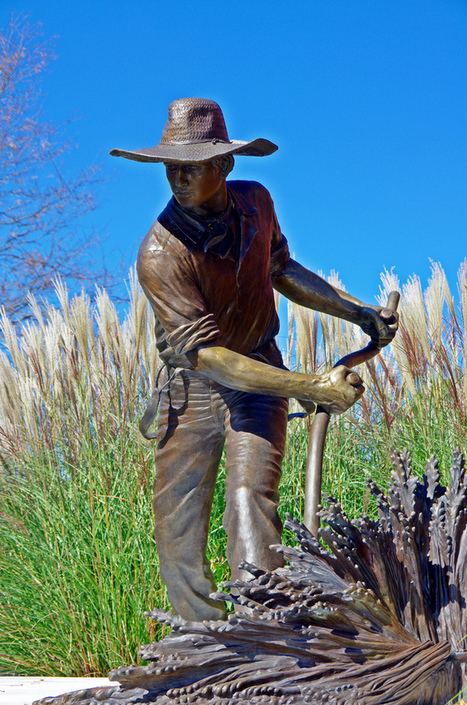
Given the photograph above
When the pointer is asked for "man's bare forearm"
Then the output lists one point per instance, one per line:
(239, 372)
(306, 288)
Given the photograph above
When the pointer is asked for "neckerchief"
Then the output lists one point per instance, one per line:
(219, 235)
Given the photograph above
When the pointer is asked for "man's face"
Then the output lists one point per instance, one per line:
(199, 187)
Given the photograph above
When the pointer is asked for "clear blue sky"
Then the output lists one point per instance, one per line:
(367, 100)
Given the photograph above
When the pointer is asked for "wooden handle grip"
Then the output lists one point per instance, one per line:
(393, 302)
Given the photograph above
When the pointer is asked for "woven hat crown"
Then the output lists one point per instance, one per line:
(194, 120)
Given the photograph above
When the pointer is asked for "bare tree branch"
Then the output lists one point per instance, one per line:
(41, 207)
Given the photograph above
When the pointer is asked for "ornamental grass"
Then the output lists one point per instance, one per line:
(78, 565)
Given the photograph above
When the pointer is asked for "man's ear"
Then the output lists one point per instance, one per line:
(225, 164)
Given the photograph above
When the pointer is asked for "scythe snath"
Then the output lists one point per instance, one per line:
(319, 427)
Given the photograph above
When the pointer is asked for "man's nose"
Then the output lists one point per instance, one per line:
(180, 176)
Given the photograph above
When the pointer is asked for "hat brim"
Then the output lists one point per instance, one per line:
(198, 151)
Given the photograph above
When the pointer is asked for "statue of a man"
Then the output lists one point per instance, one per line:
(209, 266)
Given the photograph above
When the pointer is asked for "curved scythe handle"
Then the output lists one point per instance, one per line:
(317, 437)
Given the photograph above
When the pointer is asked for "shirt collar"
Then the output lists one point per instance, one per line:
(218, 235)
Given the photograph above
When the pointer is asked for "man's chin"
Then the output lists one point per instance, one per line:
(185, 200)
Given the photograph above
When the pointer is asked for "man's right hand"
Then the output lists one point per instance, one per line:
(336, 390)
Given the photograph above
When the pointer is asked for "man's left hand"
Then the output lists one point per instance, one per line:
(380, 331)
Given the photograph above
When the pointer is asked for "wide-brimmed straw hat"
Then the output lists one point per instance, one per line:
(196, 132)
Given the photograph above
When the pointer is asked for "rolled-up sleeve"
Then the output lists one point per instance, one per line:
(170, 286)
(279, 259)
(280, 254)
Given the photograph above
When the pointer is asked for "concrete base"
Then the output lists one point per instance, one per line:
(15, 690)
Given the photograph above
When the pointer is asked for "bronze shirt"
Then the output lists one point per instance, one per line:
(200, 298)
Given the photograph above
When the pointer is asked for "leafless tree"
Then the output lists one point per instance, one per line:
(41, 207)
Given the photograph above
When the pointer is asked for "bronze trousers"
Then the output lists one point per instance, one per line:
(196, 418)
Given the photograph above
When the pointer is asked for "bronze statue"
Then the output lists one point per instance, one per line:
(208, 266)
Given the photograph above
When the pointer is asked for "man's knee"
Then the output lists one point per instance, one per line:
(252, 510)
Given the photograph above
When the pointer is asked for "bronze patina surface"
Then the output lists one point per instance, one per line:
(209, 266)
